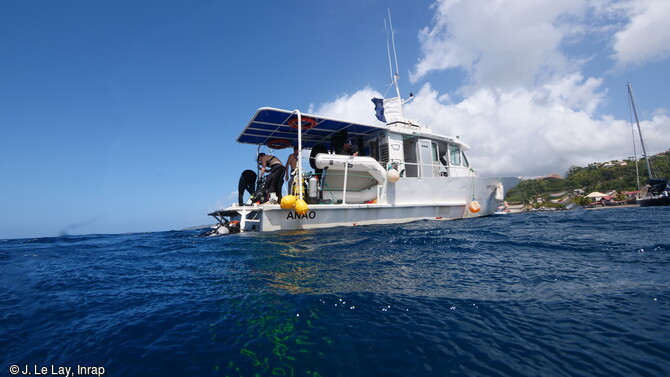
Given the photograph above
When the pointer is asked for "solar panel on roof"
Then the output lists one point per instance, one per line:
(269, 125)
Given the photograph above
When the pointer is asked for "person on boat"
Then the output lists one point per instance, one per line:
(337, 141)
(350, 148)
(248, 183)
(291, 163)
(275, 179)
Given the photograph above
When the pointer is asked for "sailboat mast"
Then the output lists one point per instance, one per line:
(637, 169)
(639, 130)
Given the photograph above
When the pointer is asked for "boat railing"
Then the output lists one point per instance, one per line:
(348, 186)
(434, 170)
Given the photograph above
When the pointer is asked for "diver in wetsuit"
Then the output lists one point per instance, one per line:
(275, 180)
(247, 182)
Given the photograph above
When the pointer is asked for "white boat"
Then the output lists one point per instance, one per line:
(406, 173)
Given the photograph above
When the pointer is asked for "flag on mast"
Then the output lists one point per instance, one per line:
(379, 109)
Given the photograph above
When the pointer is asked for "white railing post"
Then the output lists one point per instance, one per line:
(299, 164)
(243, 219)
(344, 190)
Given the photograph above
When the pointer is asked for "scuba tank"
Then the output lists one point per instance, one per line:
(313, 185)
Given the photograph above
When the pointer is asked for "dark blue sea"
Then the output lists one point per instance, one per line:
(576, 293)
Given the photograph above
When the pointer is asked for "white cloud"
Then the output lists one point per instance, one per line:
(354, 107)
(527, 108)
(647, 34)
(498, 43)
(226, 201)
(520, 132)
(508, 43)
(525, 132)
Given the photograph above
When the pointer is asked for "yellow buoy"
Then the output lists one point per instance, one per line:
(474, 206)
(301, 207)
(287, 202)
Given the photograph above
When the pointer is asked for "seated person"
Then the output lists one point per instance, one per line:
(350, 149)
(337, 141)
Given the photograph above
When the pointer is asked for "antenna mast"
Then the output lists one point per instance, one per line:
(388, 51)
(395, 56)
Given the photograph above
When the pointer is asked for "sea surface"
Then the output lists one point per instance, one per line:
(575, 293)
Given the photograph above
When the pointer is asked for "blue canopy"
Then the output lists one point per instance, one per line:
(278, 128)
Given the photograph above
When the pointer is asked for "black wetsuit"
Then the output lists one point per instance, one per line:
(247, 182)
(275, 179)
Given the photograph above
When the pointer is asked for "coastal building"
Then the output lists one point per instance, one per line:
(596, 196)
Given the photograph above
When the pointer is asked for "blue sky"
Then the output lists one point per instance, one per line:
(122, 116)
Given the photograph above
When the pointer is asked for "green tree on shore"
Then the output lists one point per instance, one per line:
(594, 177)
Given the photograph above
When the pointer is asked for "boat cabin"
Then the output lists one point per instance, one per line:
(403, 145)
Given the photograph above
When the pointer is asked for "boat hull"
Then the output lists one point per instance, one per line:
(326, 216)
(432, 200)
(654, 201)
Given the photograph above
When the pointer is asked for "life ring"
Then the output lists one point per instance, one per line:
(279, 144)
(307, 123)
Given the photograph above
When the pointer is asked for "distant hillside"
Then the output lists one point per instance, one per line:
(605, 176)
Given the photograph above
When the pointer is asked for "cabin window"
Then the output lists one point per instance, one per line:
(439, 164)
(434, 146)
(409, 148)
(442, 150)
(454, 155)
(465, 161)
